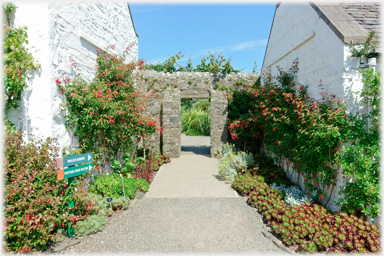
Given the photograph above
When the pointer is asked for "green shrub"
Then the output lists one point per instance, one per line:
(196, 122)
(120, 203)
(91, 225)
(115, 165)
(232, 161)
(142, 184)
(100, 206)
(202, 104)
(35, 203)
(100, 209)
(271, 172)
(111, 186)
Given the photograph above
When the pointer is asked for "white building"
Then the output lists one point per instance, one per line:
(318, 35)
(58, 33)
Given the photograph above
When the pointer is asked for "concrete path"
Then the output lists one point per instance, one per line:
(187, 209)
(192, 175)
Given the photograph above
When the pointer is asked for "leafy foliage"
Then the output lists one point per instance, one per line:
(305, 134)
(272, 173)
(366, 48)
(145, 169)
(111, 186)
(293, 195)
(196, 120)
(91, 225)
(361, 160)
(16, 60)
(106, 113)
(232, 161)
(211, 63)
(142, 184)
(36, 201)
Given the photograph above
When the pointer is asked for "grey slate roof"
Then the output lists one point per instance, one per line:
(368, 15)
(350, 21)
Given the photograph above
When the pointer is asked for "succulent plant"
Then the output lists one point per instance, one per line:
(312, 227)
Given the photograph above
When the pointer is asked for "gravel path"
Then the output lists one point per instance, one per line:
(176, 221)
(224, 225)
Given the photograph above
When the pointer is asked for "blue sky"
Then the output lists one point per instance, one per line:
(240, 31)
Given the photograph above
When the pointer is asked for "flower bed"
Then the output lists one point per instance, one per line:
(308, 227)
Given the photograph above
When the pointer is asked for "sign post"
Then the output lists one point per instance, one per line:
(69, 168)
(109, 200)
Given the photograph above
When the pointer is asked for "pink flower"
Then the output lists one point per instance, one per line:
(321, 196)
(58, 81)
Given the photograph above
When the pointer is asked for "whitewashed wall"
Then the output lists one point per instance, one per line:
(57, 33)
(298, 32)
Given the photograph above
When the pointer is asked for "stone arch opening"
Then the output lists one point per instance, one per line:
(178, 85)
(199, 145)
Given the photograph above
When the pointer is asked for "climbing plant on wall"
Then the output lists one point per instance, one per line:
(107, 112)
(306, 134)
(361, 160)
(16, 59)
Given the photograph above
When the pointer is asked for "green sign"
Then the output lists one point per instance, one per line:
(79, 159)
(77, 170)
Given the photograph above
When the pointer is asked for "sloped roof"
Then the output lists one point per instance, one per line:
(350, 21)
(133, 24)
(368, 15)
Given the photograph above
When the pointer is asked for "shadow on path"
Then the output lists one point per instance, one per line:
(197, 150)
(198, 145)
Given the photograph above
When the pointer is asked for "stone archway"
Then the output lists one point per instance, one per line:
(190, 85)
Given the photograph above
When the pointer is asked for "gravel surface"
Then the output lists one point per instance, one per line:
(222, 225)
(176, 224)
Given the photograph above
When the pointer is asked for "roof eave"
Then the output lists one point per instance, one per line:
(133, 24)
(346, 28)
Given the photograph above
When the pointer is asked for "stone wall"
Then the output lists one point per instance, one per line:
(179, 85)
